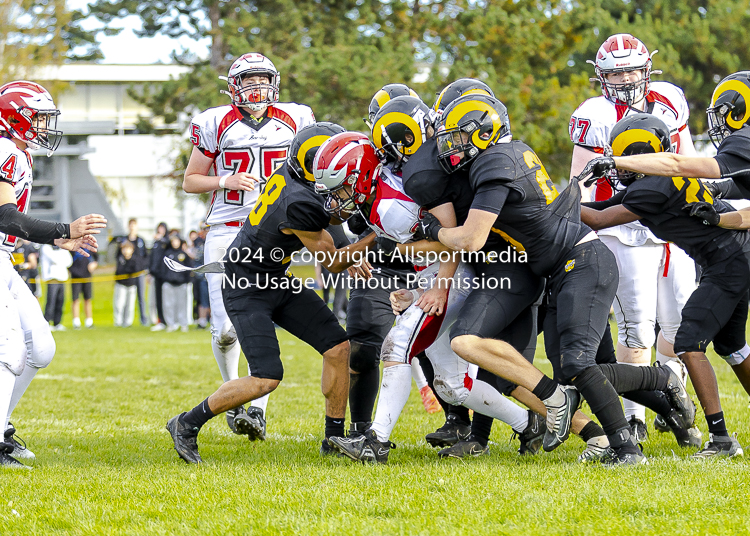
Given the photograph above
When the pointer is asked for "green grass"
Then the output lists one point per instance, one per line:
(105, 464)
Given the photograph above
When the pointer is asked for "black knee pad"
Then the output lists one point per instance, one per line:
(364, 357)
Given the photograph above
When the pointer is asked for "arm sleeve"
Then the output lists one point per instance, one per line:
(15, 223)
(306, 216)
(490, 197)
(612, 201)
(724, 189)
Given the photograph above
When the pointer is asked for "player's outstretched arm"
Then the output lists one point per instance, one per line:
(335, 260)
(670, 165)
(198, 181)
(471, 236)
(15, 223)
(739, 220)
(609, 217)
(82, 245)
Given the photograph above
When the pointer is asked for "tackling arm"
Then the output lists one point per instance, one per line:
(472, 235)
(670, 165)
(609, 217)
(739, 220)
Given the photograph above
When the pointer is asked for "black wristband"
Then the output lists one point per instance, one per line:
(16, 223)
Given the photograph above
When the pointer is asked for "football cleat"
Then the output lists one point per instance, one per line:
(185, 439)
(533, 435)
(327, 450)
(365, 448)
(251, 423)
(356, 429)
(719, 447)
(453, 431)
(7, 461)
(660, 425)
(430, 403)
(686, 437)
(680, 400)
(20, 450)
(465, 449)
(625, 455)
(231, 414)
(638, 430)
(560, 409)
(596, 449)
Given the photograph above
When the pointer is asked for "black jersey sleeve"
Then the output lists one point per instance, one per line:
(490, 197)
(601, 205)
(646, 198)
(723, 189)
(494, 165)
(427, 188)
(306, 215)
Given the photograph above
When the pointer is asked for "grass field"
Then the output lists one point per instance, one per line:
(105, 464)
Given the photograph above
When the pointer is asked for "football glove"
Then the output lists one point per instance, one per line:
(430, 227)
(704, 211)
(385, 247)
(596, 169)
(357, 224)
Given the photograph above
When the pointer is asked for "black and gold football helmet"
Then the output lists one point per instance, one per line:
(304, 146)
(400, 128)
(384, 94)
(730, 106)
(468, 126)
(637, 134)
(459, 88)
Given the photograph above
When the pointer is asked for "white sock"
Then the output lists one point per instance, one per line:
(7, 382)
(394, 392)
(228, 359)
(76, 322)
(631, 408)
(261, 403)
(19, 388)
(89, 322)
(417, 374)
(484, 399)
(675, 363)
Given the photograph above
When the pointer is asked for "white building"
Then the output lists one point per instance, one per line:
(104, 165)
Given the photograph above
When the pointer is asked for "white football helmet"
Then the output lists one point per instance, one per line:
(622, 53)
(251, 96)
(28, 113)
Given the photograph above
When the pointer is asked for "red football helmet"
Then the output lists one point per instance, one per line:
(252, 64)
(623, 53)
(28, 113)
(345, 167)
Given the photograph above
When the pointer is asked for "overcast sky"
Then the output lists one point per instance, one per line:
(128, 48)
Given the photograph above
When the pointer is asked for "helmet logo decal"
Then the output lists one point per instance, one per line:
(742, 89)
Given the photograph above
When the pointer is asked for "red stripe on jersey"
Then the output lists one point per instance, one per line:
(275, 113)
(232, 116)
(384, 191)
(621, 109)
(468, 381)
(653, 96)
(603, 190)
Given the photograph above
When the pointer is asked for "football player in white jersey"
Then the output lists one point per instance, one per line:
(28, 117)
(242, 143)
(656, 278)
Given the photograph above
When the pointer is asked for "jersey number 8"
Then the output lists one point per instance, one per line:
(268, 197)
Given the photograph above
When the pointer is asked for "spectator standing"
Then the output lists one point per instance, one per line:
(28, 267)
(140, 254)
(176, 286)
(54, 267)
(80, 272)
(157, 271)
(200, 283)
(125, 287)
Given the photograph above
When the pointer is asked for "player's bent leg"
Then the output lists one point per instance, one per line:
(335, 380)
(364, 379)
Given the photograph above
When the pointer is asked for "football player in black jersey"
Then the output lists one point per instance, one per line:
(729, 129)
(515, 198)
(717, 310)
(258, 292)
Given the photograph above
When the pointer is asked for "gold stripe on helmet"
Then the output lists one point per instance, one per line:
(381, 97)
(463, 108)
(623, 140)
(413, 93)
(742, 89)
(475, 91)
(315, 141)
(398, 117)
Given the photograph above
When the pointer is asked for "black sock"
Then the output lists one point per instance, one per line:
(626, 378)
(481, 426)
(545, 388)
(656, 401)
(199, 415)
(717, 425)
(363, 390)
(459, 412)
(334, 427)
(603, 400)
(591, 430)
